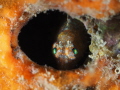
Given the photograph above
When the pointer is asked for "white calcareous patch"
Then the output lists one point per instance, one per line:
(106, 1)
(66, 1)
(21, 18)
(1, 6)
(20, 78)
(44, 83)
(20, 56)
(51, 78)
(47, 74)
(112, 12)
(77, 87)
(35, 9)
(34, 70)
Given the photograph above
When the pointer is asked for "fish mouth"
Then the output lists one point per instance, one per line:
(65, 58)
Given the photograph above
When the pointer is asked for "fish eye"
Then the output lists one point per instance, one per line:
(54, 50)
(75, 51)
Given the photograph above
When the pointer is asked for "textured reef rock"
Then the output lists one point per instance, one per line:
(102, 72)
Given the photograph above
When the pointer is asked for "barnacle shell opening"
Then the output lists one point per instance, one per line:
(42, 40)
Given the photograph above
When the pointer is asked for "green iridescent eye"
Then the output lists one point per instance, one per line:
(54, 50)
(75, 51)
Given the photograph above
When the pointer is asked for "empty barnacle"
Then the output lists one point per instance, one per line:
(117, 70)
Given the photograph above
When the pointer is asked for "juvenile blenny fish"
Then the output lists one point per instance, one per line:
(71, 44)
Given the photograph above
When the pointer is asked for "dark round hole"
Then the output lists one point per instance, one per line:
(38, 35)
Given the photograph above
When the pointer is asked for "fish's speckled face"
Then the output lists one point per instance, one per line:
(64, 51)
